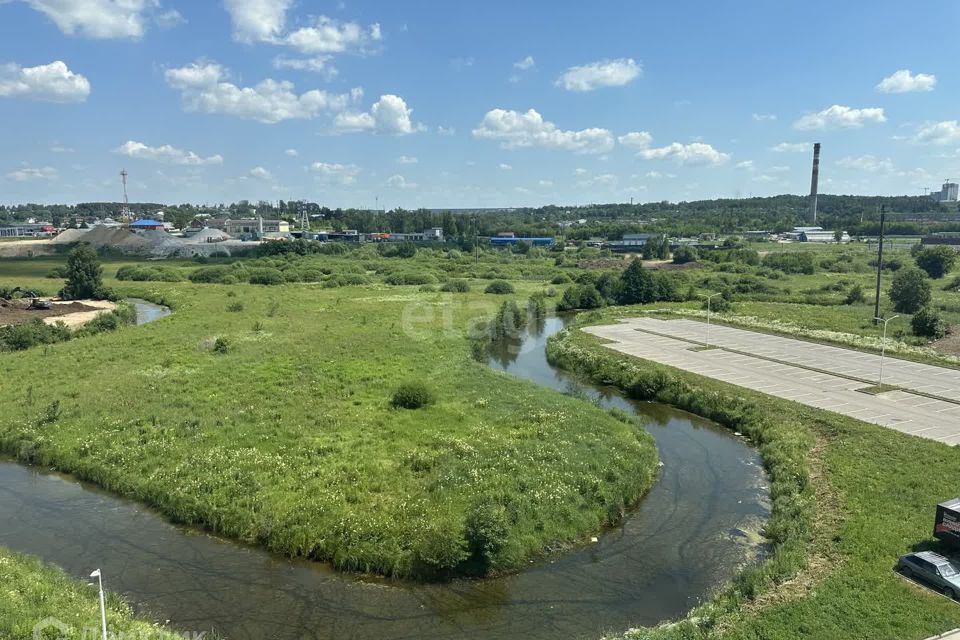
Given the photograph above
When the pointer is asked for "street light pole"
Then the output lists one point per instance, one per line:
(103, 609)
(883, 344)
(708, 316)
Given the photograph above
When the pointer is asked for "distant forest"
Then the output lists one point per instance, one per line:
(857, 214)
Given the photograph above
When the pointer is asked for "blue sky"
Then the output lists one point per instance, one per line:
(464, 104)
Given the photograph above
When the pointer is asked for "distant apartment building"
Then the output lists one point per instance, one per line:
(949, 192)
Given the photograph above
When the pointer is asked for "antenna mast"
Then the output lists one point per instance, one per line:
(126, 202)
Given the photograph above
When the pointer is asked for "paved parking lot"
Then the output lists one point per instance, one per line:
(816, 375)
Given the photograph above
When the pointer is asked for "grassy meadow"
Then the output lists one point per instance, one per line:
(263, 414)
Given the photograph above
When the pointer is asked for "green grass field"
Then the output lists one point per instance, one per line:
(287, 438)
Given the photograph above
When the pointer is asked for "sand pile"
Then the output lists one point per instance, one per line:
(69, 236)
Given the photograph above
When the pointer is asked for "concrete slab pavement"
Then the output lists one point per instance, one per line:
(670, 342)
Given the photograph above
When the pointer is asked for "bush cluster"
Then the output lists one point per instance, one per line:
(412, 395)
(148, 274)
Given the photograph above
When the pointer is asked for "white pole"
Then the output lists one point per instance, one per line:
(883, 346)
(708, 316)
(103, 609)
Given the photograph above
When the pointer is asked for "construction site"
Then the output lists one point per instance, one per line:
(148, 244)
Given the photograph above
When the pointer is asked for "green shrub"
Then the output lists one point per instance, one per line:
(791, 262)
(235, 307)
(487, 534)
(410, 278)
(84, 275)
(499, 287)
(221, 345)
(936, 261)
(909, 290)
(266, 276)
(456, 285)
(580, 296)
(412, 395)
(927, 323)
(216, 274)
(560, 278)
(685, 254)
(855, 295)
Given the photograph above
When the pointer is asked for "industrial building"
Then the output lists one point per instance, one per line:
(507, 241)
(815, 234)
(25, 230)
(239, 228)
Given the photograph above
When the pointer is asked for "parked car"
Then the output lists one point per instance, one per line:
(934, 569)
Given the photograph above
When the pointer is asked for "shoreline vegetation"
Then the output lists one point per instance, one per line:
(36, 593)
(839, 517)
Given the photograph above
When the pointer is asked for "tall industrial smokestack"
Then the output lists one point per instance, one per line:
(813, 182)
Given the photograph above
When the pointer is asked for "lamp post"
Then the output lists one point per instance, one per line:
(883, 344)
(103, 609)
(710, 297)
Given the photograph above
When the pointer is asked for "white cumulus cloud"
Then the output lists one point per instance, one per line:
(506, 167)
(695, 153)
(946, 132)
(514, 130)
(903, 81)
(257, 20)
(165, 153)
(52, 82)
(399, 182)
(27, 174)
(104, 19)
(604, 73)
(322, 65)
(204, 88)
(636, 139)
(525, 64)
(389, 115)
(266, 21)
(335, 172)
(790, 147)
(407, 160)
(293, 153)
(840, 117)
(869, 163)
(764, 117)
(259, 173)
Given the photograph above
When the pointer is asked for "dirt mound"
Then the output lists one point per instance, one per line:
(69, 236)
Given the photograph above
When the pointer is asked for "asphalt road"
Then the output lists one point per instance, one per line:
(816, 375)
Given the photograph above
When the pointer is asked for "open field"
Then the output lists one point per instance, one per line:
(264, 415)
(873, 492)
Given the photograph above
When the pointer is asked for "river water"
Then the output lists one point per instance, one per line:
(686, 537)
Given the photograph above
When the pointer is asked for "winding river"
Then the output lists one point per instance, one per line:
(689, 534)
